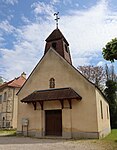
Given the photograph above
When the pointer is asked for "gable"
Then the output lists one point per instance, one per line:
(52, 65)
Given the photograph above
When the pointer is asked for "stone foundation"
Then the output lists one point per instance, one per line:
(104, 132)
(67, 135)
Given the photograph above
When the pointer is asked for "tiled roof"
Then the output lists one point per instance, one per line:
(56, 35)
(52, 94)
(17, 82)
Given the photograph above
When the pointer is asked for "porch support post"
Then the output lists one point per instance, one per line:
(35, 105)
(62, 103)
(70, 103)
(41, 104)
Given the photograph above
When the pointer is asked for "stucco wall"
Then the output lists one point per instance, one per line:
(8, 108)
(15, 107)
(104, 118)
(4, 113)
(83, 113)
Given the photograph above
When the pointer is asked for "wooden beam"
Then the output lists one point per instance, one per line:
(70, 103)
(35, 105)
(41, 104)
(62, 103)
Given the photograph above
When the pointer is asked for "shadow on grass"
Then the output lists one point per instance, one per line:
(8, 134)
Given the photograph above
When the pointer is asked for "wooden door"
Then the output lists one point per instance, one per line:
(53, 122)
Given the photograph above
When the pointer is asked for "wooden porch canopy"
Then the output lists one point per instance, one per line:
(60, 94)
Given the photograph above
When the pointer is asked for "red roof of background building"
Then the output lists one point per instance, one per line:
(16, 83)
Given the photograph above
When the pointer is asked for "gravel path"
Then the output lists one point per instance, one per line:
(26, 143)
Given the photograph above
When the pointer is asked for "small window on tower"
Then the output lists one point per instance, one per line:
(52, 83)
(54, 45)
(66, 48)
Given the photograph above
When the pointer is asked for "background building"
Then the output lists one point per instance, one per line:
(9, 101)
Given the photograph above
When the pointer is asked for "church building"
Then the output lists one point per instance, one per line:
(58, 101)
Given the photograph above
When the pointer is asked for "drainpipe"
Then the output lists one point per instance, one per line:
(13, 105)
(71, 122)
(6, 108)
(42, 123)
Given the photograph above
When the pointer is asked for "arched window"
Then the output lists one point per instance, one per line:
(52, 83)
(5, 96)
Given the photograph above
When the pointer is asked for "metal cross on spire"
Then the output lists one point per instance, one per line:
(57, 18)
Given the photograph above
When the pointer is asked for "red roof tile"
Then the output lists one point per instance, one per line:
(17, 82)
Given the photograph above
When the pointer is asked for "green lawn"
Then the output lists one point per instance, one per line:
(111, 139)
(112, 136)
(9, 132)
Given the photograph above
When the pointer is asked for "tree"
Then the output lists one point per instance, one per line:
(110, 53)
(110, 73)
(110, 50)
(110, 93)
(1, 80)
(95, 74)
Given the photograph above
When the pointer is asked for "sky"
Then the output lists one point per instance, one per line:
(25, 24)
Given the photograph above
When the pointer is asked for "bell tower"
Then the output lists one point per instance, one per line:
(57, 41)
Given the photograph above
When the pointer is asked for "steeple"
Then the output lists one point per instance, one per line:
(57, 41)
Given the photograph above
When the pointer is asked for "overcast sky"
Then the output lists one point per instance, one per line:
(25, 24)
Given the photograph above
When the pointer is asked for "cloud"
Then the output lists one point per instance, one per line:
(6, 27)
(41, 8)
(53, 2)
(25, 20)
(101, 63)
(1, 41)
(87, 31)
(12, 2)
(66, 2)
(26, 51)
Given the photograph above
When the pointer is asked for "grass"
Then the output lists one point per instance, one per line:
(7, 132)
(112, 136)
(111, 139)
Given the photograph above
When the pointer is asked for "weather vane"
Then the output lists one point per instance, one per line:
(57, 18)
